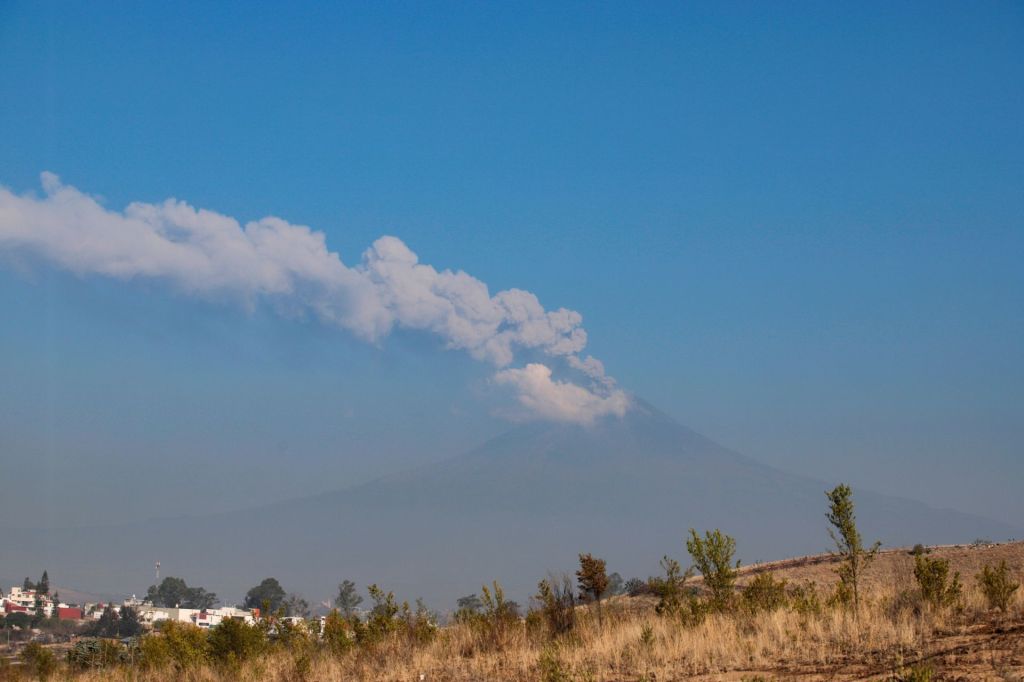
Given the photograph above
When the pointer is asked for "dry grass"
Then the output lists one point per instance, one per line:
(967, 642)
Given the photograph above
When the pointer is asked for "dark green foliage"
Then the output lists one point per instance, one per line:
(39, 661)
(19, 620)
(764, 593)
(97, 653)
(556, 604)
(634, 587)
(712, 556)
(932, 576)
(107, 624)
(848, 541)
(28, 585)
(234, 641)
(592, 580)
(348, 599)
(997, 586)
(174, 592)
(468, 607)
(268, 595)
(43, 586)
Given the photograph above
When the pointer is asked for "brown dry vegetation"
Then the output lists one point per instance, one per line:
(893, 637)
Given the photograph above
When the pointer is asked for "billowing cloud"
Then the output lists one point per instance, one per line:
(289, 267)
(561, 400)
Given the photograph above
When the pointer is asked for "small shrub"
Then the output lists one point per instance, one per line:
(383, 618)
(671, 596)
(634, 587)
(712, 555)
(804, 599)
(932, 577)
(39, 660)
(552, 669)
(421, 624)
(557, 604)
(764, 593)
(647, 636)
(916, 673)
(997, 586)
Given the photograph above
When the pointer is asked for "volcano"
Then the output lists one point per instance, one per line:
(518, 506)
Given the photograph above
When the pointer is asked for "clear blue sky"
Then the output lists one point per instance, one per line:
(796, 228)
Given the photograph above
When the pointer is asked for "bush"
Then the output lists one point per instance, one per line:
(804, 599)
(932, 577)
(712, 556)
(997, 586)
(557, 604)
(234, 641)
(552, 669)
(335, 634)
(96, 653)
(764, 593)
(39, 660)
(382, 620)
(180, 644)
(634, 587)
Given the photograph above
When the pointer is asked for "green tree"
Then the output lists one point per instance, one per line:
(850, 547)
(348, 599)
(174, 592)
(267, 595)
(470, 604)
(129, 624)
(28, 585)
(712, 556)
(43, 586)
(592, 581)
(107, 624)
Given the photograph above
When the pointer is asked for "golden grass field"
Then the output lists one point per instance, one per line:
(965, 642)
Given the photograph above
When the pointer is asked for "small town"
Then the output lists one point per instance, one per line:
(34, 617)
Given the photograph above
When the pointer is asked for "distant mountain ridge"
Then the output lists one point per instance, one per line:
(519, 505)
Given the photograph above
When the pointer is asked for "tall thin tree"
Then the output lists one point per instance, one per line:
(849, 545)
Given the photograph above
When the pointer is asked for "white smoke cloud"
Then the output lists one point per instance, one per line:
(210, 255)
(561, 400)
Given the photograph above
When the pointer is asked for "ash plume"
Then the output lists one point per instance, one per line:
(289, 267)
